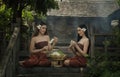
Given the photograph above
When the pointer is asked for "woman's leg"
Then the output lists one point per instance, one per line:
(67, 62)
(73, 62)
(44, 62)
(29, 62)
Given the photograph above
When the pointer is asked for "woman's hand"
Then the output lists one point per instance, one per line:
(72, 43)
(55, 40)
(45, 48)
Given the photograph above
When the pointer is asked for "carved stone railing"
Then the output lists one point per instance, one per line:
(9, 63)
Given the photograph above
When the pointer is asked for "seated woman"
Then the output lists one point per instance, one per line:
(79, 48)
(39, 46)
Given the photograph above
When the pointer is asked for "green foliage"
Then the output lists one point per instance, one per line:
(24, 8)
(116, 39)
(4, 16)
(106, 43)
(5, 21)
(27, 14)
(99, 66)
(40, 6)
(118, 2)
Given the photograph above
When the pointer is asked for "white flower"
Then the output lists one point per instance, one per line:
(39, 26)
(83, 29)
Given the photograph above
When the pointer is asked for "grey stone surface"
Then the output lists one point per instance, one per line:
(62, 27)
(85, 8)
(52, 75)
(65, 27)
(34, 70)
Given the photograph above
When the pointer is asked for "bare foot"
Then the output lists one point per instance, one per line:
(21, 63)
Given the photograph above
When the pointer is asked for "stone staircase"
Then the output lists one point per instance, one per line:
(51, 71)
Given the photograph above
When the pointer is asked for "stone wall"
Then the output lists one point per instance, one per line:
(85, 8)
(71, 13)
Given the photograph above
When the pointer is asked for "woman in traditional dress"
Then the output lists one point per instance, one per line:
(39, 46)
(79, 48)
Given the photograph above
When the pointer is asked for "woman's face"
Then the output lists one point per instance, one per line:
(80, 31)
(43, 29)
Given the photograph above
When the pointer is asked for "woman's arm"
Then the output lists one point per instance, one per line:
(85, 47)
(50, 47)
(72, 47)
(73, 50)
(54, 42)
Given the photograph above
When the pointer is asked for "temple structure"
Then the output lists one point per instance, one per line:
(71, 13)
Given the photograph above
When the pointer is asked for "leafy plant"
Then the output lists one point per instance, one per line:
(118, 2)
(100, 67)
(5, 21)
(116, 39)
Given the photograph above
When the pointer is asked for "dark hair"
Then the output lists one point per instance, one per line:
(37, 30)
(86, 32)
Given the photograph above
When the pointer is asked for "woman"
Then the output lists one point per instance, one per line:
(40, 45)
(79, 48)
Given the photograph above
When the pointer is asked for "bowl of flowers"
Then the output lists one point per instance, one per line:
(57, 54)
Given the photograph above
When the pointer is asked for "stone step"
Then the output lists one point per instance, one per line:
(50, 71)
(52, 75)
(37, 69)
